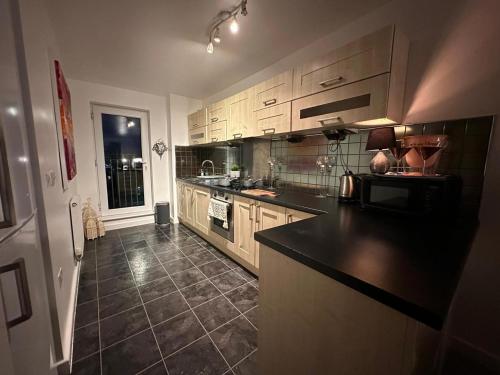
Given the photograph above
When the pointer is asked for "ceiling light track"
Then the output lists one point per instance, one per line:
(222, 17)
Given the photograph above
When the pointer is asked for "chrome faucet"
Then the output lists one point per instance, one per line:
(211, 162)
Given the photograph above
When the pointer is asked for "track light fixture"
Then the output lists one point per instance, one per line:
(223, 16)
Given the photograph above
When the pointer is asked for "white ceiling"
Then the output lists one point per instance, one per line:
(159, 46)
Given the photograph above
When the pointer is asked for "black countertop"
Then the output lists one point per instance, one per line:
(406, 264)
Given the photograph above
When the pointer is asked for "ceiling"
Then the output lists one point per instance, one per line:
(159, 46)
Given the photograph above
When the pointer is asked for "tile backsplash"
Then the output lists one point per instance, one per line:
(465, 156)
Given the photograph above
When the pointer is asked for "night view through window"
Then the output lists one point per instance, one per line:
(123, 161)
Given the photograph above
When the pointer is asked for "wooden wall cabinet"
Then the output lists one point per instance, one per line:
(217, 131)
(241, 122)
(198, 136)
(197, 119)
(274, 91)
(273, 120)
(217, 112)
(201, 198)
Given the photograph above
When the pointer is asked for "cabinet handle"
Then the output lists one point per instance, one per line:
(269, 102)
(257, 214)
(237, 135)
(214, 139)
(289, 218)
(214, 119)
(330, 120)
(250, 213)
(331, 81)
(269, 131)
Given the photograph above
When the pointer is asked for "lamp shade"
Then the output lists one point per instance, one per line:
(381, 139)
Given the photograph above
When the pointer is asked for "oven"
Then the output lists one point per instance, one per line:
(216, 225)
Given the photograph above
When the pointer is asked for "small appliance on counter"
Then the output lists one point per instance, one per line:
(349, 187)
(427, 196)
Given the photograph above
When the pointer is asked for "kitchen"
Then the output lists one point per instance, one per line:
(263, 187)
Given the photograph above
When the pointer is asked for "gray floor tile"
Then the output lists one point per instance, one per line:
(199, 293)
(116, 284)
(227, 281)
(202, 257)
(88, 278)
(86, 341)
(139, 264)
(158, 369)
(235, 339)
(244, 297)
(135, 245)
(248, 366)
(86, 313)
(156, 289)
(245, 274)
(138, 253)
(150, 274)
(178, 265)
(187, 278)
(161, 248)
(192, 249)
(166, 307)
(113, 270)
(230, 263)
(87, 366)
(178, 332)
(123, 325)
(87, 293)
(119, 257)
(214, 268)
(116, 303)
(215, 313)
(130, 356)
(169, 256)
(253, 316)
(199, 358)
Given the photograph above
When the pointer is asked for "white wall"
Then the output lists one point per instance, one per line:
(52, 202)
(179, 108)
(85, 93)
(453, 72)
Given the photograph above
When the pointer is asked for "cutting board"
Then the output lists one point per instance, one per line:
(260, 193)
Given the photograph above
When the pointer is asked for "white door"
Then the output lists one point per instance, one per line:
(122, 149)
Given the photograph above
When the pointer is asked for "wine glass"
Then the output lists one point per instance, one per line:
(399, 152)
(321, 164)
(330, 162)
(426, 146)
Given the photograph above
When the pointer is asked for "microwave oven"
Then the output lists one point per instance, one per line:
(431, 196)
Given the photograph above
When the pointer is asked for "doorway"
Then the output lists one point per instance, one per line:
(122, 151)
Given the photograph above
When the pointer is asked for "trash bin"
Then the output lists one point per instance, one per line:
(162, 213)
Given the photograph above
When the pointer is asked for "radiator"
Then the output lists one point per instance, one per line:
(75, 209)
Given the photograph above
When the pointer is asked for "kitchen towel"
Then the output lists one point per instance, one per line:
(218, 210)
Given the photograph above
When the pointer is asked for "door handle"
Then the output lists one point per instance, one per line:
(331, 81)
(16, 272)
(269, 102)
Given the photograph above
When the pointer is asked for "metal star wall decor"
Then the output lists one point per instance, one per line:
(160, 147)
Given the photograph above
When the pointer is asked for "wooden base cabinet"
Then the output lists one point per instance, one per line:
(267, 216)
(244, 228)
(188, 203)
(294, 215)
(201, 198)
(180, 200)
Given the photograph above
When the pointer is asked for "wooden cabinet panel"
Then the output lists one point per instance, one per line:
(241, 117)
(294, 215)
(363, 58)
(200, 215)
(273, 120)
(180, 200)
(267, 216)
(188, 203)
(217, 112)
(217, 131)
(244, 223)
(365, 101)
(198, 136)
(274, 91)
(197, 119)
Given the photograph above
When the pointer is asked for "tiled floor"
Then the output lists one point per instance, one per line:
(163, 301)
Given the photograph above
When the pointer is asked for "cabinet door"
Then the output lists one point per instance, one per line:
(363, 58)
(197, 119)
(200, 216)
(241, 123)
(217, 131)
(244, 219)
(217, 112)
(361, 103)
(188, 204)
(267, 216)
(273, 120)
(294, 215)
(198, 136)
(274, 91)
(180, 200)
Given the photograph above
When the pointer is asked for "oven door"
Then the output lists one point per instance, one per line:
(216, 226)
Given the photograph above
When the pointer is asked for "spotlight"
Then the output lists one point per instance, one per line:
(234, 27)
(210, 48)
(217, 38)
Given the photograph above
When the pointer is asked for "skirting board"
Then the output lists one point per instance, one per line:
(129, 222)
